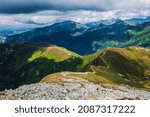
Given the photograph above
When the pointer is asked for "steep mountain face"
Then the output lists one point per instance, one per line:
(108, 36)
(88, 38)
(59, 34)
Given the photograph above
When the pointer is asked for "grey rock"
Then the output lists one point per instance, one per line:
(75, 89)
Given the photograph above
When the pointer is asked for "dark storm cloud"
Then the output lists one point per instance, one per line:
(29, 6)
(22, 6)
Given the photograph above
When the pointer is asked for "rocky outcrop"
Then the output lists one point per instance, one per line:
(74, 89)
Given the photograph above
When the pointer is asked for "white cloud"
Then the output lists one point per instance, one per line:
(26, 13)
(82, 16)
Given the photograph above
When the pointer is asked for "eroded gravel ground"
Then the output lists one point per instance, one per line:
(74, 89)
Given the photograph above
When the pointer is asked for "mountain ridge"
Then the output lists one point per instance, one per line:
(72, 35)
(29, 63)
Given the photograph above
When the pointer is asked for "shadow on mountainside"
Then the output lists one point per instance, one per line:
(16, 70)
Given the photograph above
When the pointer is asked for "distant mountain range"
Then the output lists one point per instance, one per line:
(12, 31)
(88, 38)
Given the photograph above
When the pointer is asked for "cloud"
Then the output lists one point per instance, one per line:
(33, 13)
(50, 17)
(29, 6)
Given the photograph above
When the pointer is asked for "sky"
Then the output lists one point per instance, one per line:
(31, 13)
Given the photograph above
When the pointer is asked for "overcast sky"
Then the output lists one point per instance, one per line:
(27, 6)
(20, 12)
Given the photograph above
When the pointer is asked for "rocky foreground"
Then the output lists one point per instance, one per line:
(74, 89)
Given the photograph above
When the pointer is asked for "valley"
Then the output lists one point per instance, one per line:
(70, 60)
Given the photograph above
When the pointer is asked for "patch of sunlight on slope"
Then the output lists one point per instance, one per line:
(56, 53)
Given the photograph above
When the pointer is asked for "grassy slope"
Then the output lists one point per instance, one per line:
(54, 52)
(133, 60)
(29, 63)
(141, 36)
(127, 66)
